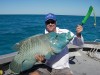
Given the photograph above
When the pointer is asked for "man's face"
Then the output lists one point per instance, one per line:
(51, 25)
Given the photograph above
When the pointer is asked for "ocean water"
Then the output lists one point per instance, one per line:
(14, 28)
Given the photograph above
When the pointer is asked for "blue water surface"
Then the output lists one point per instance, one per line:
(14, 28)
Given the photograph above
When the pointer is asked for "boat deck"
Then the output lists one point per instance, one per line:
(80, 62)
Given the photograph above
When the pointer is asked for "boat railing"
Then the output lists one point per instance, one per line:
(94, 52)
(97, 40)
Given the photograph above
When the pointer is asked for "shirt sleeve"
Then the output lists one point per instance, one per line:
(77, 41)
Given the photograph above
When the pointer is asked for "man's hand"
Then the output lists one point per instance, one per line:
(79, 29)
(40, 58)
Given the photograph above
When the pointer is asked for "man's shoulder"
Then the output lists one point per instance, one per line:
(62, 30)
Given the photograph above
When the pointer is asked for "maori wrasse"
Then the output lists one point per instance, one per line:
(44, 44)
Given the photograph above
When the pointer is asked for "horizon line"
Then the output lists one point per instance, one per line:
(45, 14)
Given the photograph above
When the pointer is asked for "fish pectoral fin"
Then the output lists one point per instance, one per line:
(27, 64)
(56, 50)
(47, 56)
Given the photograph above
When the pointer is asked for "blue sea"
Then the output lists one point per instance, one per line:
(14, 28)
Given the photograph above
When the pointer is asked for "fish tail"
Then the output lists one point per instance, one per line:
(15, 67)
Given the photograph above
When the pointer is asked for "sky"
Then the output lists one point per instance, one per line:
(59, 7)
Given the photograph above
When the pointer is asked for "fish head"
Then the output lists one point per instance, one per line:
(59, 40)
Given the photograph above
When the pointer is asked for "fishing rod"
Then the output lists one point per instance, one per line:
(88, 15)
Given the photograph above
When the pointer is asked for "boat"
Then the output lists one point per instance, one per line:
(83, 60)
(86, 60)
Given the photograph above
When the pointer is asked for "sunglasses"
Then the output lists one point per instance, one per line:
(50, 21)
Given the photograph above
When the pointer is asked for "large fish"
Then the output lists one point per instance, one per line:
(44, 44)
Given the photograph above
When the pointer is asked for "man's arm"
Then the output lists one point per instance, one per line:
(78, 39)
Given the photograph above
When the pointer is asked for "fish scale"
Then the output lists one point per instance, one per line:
(43, 44)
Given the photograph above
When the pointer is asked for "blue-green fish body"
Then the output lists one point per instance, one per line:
(44, 44)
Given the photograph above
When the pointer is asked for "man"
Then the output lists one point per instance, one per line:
(58, 64)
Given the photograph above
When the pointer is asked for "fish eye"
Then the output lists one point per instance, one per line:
(56, 36)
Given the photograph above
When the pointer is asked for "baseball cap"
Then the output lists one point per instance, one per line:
(50, 16)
